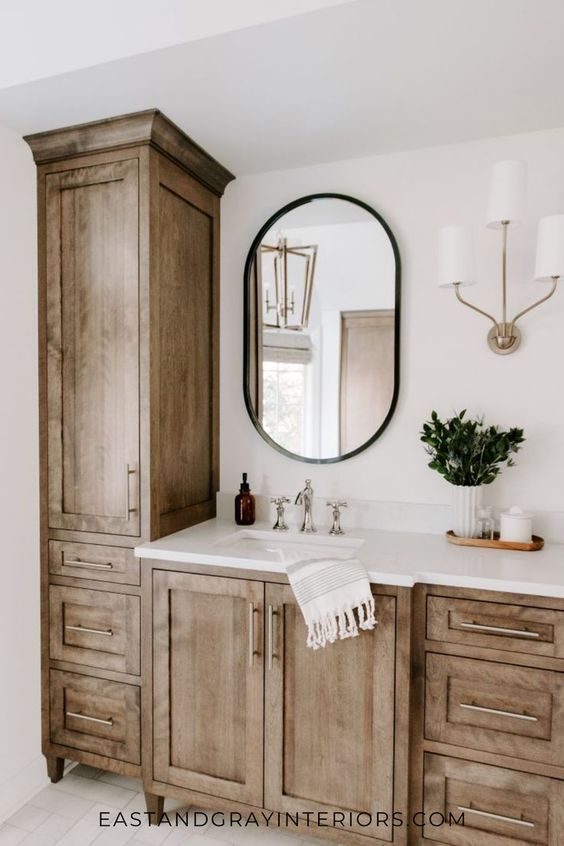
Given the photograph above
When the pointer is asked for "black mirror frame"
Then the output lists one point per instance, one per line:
(246, 351)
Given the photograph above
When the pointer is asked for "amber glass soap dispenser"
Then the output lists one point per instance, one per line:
(244, 504)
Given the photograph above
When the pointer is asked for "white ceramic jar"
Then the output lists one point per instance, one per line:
(516, 526)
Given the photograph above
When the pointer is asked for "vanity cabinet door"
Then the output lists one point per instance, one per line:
(92, 328)
(329, 717)
(208, 684)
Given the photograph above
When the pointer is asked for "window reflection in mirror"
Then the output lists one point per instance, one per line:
(322, 290)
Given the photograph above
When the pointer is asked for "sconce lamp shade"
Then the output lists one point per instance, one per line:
(508, 194)
(456, 256)
(550, 247)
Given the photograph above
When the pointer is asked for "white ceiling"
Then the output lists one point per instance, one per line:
(358, 78)
(40, 39)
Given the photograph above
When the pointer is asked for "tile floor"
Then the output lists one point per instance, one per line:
(67, 814)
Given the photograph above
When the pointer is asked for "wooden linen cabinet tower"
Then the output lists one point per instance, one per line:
(128, 228)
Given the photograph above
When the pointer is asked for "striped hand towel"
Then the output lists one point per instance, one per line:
(329, 592)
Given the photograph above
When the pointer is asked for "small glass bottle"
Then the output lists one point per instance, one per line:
(245, 504)
(485, 523)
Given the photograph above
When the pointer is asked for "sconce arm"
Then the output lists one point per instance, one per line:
(475, 308)
(538, 302)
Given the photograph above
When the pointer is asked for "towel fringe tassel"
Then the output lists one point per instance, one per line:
(342, 624)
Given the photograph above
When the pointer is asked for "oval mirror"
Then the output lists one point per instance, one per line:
(322, 297)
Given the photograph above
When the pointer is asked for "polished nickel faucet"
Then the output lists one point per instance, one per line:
(336, 505)
(280, 503)
(305, 497)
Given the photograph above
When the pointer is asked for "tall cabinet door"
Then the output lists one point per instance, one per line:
(185, 254)
(92, 314)
(329, 738)
(208, 684)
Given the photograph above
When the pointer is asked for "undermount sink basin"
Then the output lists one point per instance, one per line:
(287, 547)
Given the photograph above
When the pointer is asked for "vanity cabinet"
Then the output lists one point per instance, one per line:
(243, 711)
(128, 229)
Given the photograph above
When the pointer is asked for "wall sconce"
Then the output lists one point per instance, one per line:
(506, 210)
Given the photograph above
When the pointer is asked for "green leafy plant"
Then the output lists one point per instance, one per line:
(466, 452)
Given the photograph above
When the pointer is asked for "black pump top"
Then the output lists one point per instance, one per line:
(245, 487)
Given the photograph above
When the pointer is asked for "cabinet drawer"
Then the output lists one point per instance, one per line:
(90, 561)
(513, 628)
(500, 708)
(96, 715)
(95, 628)
(501, 807)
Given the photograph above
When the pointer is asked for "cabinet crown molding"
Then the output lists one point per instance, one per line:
(149, 127)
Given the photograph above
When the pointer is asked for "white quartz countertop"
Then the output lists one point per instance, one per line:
(393, 558)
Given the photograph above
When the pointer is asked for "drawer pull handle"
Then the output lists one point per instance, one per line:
(500, 817)
(485, 710)
(79, 716)
(499, 629)
(87, 564)
(105, 632)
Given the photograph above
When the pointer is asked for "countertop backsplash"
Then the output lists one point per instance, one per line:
(387, 516)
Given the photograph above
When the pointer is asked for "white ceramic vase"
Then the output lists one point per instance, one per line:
(466, 499)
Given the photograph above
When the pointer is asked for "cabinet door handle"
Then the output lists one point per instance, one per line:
(485, 710)
(75, 562)
(105, 632)
(271, 615)
(129, 471)
(252, 650)
(79, 716)
(499, 630)
(492, 816)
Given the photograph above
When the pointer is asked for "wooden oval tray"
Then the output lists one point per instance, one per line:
(496, 543)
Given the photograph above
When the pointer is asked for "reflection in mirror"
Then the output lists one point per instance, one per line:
(322, 324)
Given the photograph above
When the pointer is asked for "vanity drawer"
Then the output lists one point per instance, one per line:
(96, 715)
(513, 628)
(95, 628)
(91, 561)
(501, 807)
(501, 708)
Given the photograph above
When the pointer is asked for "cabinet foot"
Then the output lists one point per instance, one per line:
(155, 807)
(55, 767)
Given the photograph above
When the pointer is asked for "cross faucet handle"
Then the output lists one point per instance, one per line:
(336, 505)
(280, 503)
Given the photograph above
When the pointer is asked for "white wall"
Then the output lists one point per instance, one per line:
(22, 769)
(444, 358)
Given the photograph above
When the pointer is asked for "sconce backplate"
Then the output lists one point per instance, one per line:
(493, 335)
